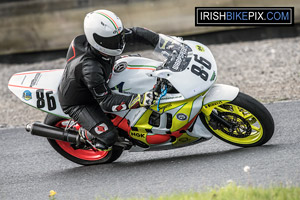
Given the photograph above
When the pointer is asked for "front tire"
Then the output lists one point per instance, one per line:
(80, 156)
(253, 123)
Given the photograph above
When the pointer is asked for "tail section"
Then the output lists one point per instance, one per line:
(38, 89)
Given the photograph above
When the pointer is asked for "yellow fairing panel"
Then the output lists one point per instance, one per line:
(182, 113)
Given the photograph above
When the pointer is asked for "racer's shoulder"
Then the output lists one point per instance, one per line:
(80, 39)
(77, 48)
(80, 42)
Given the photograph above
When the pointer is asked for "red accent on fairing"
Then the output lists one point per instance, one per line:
(178, 134)
(121, 123)
(188, 124)
(36, 72)
(29, 87)
(79, 153)
(159, 139)
(73, 52)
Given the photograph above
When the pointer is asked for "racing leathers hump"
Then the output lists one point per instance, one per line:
(86, 75)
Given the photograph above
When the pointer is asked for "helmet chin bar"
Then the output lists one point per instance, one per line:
(106, 52)
(110, 52)
(97, 52)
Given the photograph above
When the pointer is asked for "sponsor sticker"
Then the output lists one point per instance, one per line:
(120, 67)
(117, 30)
(215, 103)
(101, 128)
(27, 95)
(181, 116)
(200, 48)
(180, 57)
(141, 135)
(35, 80)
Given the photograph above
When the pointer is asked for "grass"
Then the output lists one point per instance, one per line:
(232, 192)
(229, 192)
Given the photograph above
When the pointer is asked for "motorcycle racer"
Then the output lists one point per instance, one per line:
(83, 91)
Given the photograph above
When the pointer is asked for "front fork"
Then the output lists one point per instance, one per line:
(215, 119)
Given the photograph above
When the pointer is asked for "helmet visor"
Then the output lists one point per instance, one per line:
(115, 42)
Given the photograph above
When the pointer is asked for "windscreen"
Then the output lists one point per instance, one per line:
(173, 52)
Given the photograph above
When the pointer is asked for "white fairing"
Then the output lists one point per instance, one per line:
(38, 89)
(221, 92)
(130, 75)
(200, 130)
(139, 75)
(188, 83)
(198, 74)
(133, 75)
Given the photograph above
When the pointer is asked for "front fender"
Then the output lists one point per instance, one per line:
(218, 94)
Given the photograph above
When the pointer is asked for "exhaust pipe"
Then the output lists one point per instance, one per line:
(52, 132)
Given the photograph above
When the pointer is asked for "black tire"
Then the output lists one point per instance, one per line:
(111, 156)
(258, 110)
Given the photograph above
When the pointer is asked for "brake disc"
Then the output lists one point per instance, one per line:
(241, 128)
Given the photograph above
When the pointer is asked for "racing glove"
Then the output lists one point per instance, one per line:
(142, 100)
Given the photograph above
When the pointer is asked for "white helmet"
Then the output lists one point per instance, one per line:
(105, 32)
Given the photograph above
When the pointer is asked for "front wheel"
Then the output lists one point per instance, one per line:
(251, 122)
(80, 156)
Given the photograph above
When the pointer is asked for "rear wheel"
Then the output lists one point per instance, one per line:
(251, 123)
(80, 156)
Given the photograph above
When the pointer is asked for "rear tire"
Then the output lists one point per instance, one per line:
(255, 123)
(80, 156)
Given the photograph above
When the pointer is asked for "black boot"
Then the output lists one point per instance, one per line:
(108, 138)
(99, 141)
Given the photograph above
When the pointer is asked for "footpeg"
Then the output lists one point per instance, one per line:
(124, 144)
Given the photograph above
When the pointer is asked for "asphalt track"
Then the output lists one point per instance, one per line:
(30, 168)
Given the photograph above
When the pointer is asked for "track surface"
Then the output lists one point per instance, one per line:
(30, 168)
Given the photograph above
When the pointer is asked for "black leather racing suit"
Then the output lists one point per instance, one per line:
(84, 85)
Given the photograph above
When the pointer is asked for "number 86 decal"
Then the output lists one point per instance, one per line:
(40, 95)
(198, 71)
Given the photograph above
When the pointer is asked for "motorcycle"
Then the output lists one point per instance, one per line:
(191, 107)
